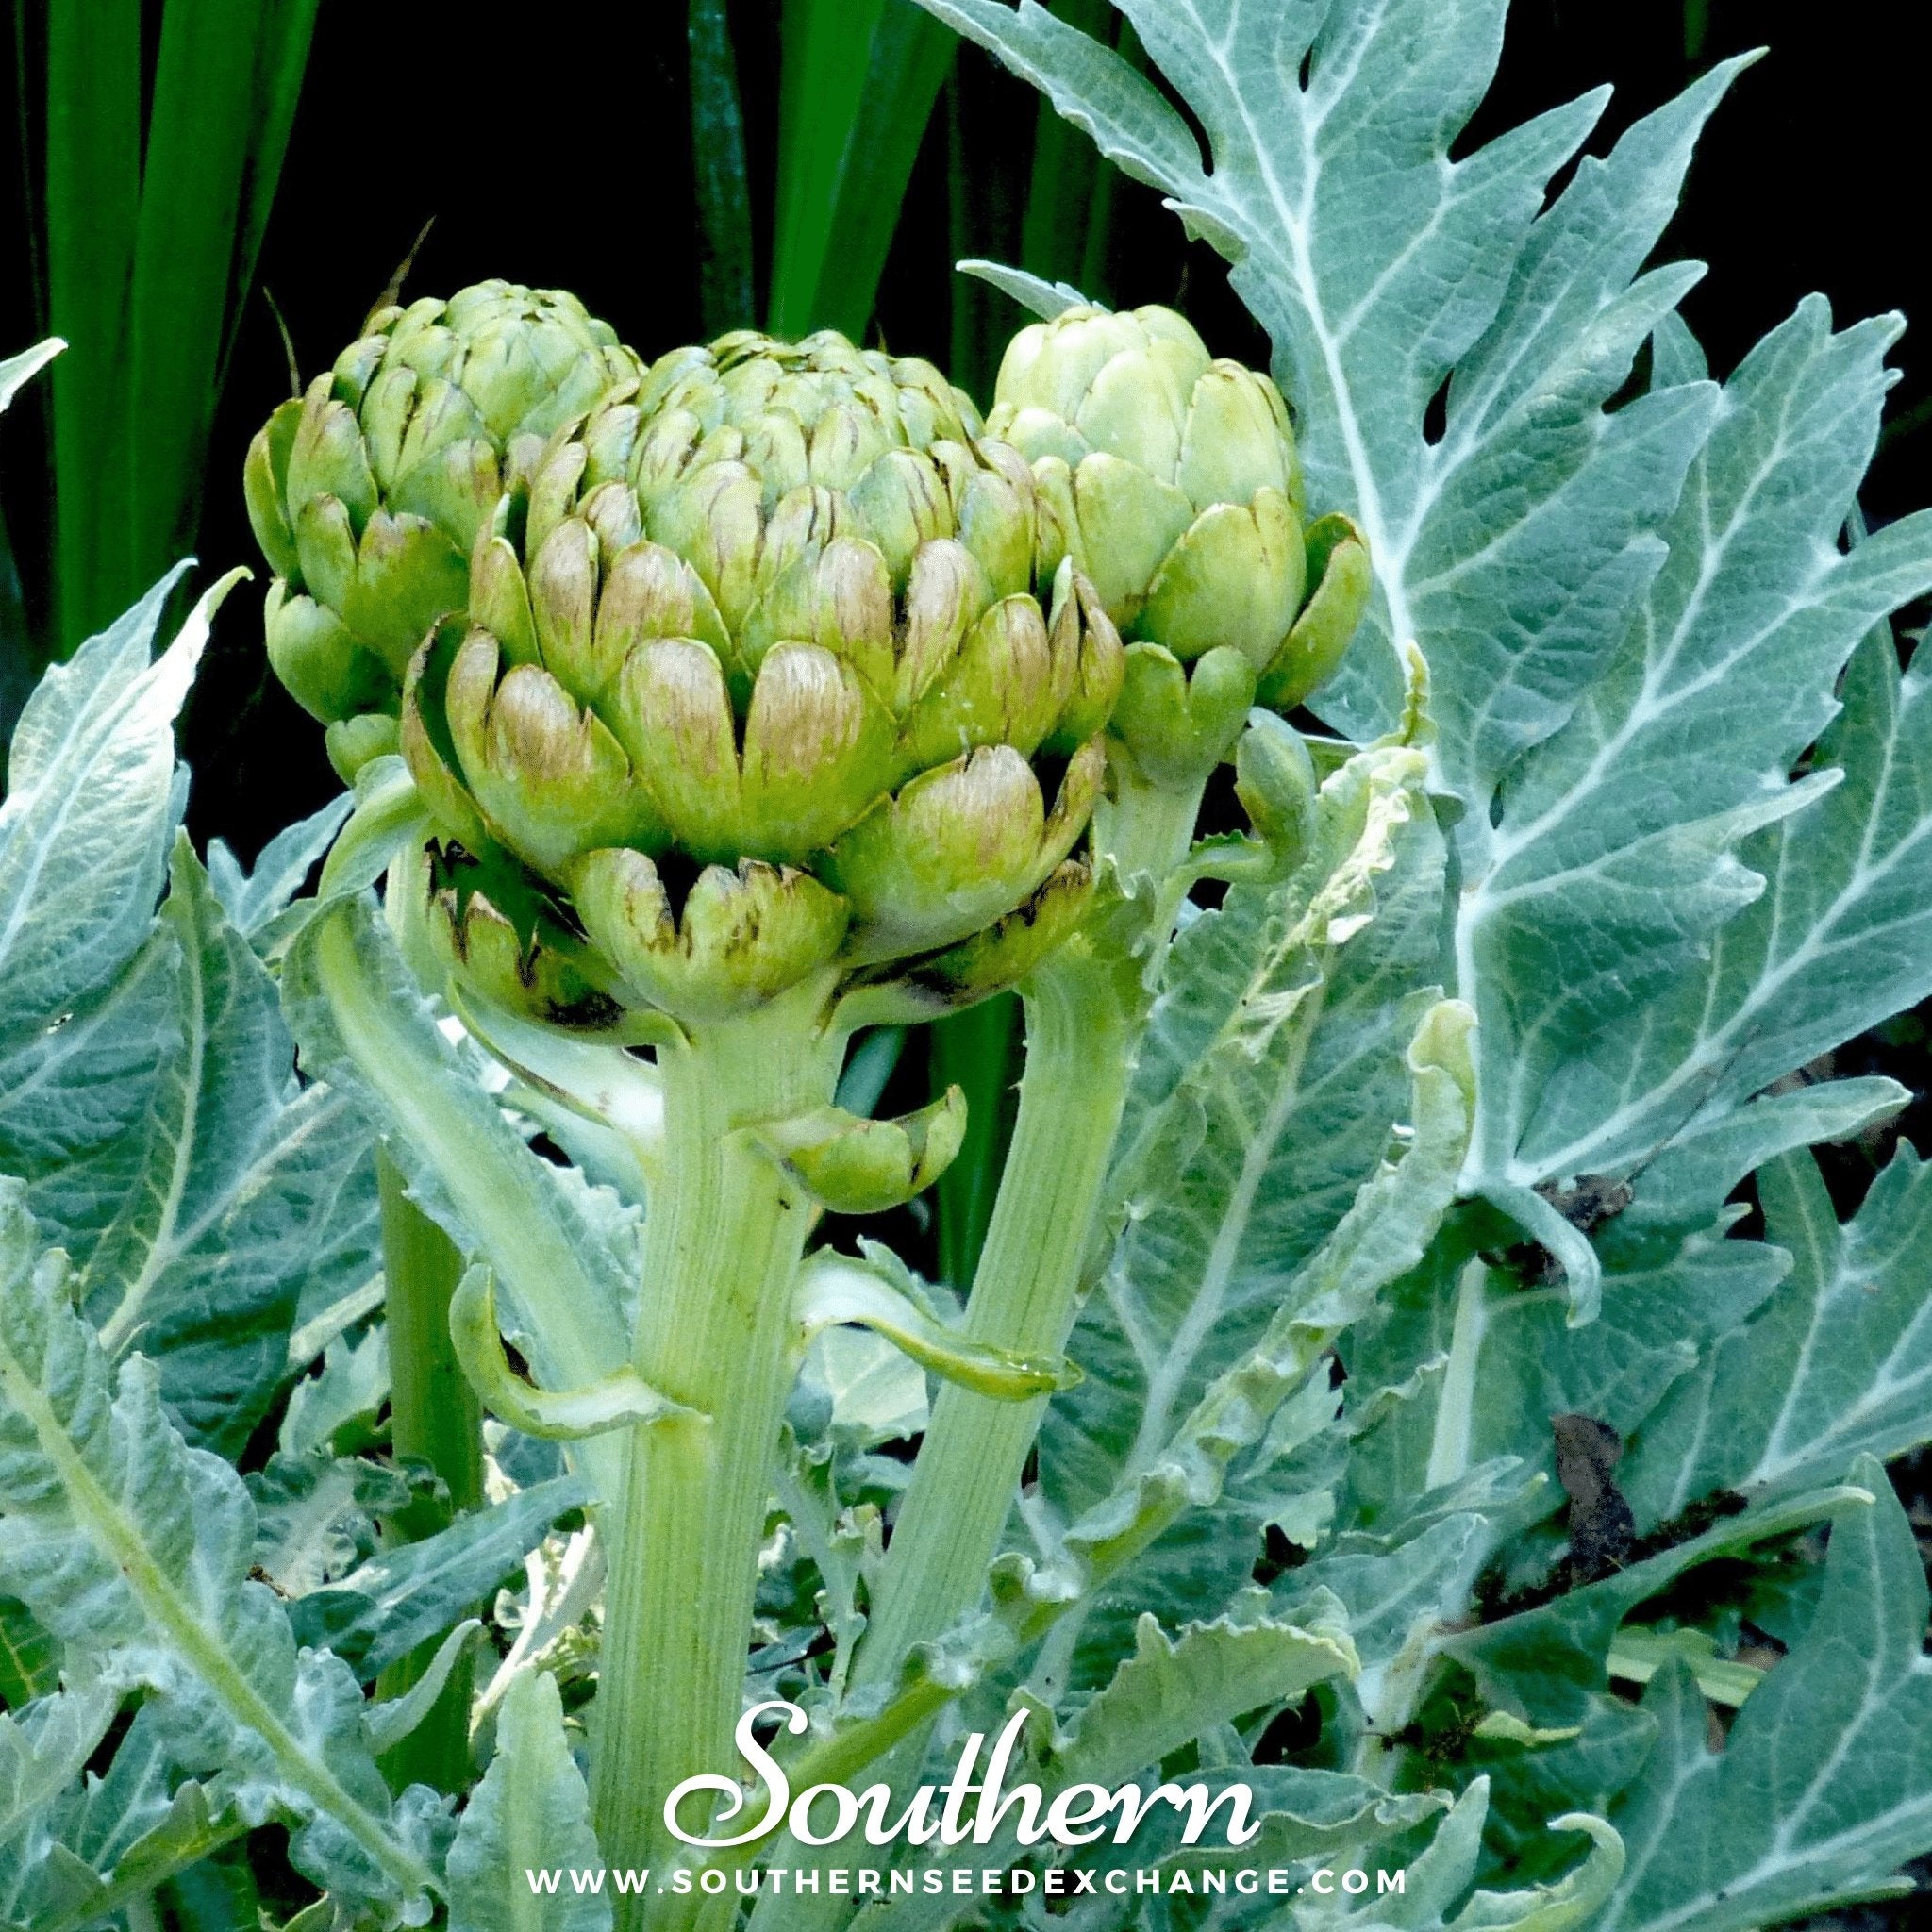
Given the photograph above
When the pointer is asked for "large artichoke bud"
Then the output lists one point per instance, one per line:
(753, 683)
(367, 493)
(1170, 478)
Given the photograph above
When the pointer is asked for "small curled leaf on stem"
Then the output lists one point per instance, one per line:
(612, 1402)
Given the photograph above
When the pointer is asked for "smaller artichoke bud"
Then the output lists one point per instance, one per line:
(1170, 478)
(369, 495)
(743, 936)
(353, 742)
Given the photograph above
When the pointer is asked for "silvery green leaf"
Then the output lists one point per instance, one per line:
(401, 1597)
(1824, 1786)
(91, 804)
(1591, 930)
(1435, 1896)
(1509, 1357)
(44, 1748)
(252, 899)
(111, 1840)
(17, 370)
(1031, 291)
(134, 1550)
(1170, 1690)
(1266, 1098)
(314, 1516)
(1836, 1363)
(1838, 940)
(198, 1228)
(350, 1387)
(530, 1814)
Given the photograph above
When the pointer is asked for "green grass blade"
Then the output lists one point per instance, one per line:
(726, 297)
(977, 1051)
(1067, 172)
(184, 257)
(849, 128)
(92, 209)
(281, 61)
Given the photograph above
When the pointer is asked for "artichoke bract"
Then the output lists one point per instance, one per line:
(368, 492)
(752, 686)
(1170, 479)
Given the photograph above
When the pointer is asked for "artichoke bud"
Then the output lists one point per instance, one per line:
(743, 936)
(856, 1166)
(1274, 780)
(353, 742)
(958, 848)
(549, 778)
(1177, 726)
(1170, 478)
(373, 500)
(326, 670)
(1338, 563)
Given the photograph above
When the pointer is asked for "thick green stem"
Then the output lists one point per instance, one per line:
(434, 1419)
(722, 1241)
(1082, 1020)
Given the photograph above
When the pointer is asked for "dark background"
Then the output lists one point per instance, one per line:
(560, 156)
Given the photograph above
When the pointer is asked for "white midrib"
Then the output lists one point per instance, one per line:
(1205, 1309)
(120, 1328)
(76, 751)
(1454, 1431)
(187, 1633)
(1297, 220)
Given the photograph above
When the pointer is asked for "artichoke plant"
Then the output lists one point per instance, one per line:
(1170, 478)
(367, 492)
(752, 687)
